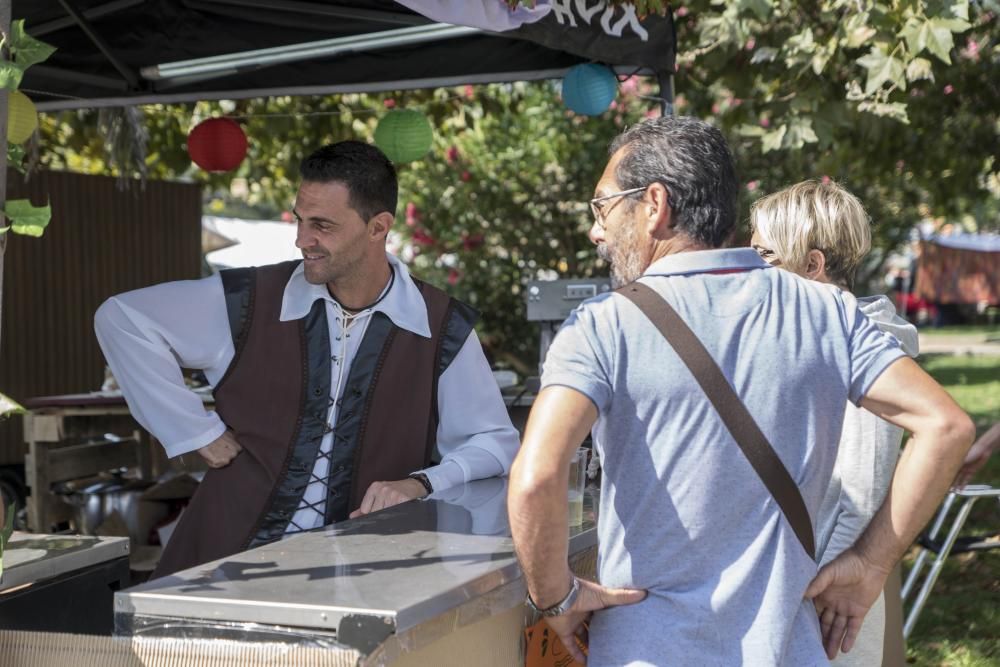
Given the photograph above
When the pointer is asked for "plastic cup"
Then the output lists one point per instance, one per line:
(577, 481)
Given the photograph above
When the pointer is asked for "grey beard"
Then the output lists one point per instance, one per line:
(625, 266)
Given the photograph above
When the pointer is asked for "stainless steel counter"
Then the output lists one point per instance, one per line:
(409, 574)
(31, 558)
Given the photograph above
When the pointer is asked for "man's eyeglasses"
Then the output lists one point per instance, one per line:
(597, 204)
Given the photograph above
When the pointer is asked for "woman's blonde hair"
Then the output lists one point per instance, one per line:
(814, 215)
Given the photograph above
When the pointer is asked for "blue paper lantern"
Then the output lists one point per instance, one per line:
(588, 89)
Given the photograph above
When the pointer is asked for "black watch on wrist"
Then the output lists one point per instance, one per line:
(422, 478)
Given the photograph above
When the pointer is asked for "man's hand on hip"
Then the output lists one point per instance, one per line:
(386, 494)
(843, 592)
(592, 597)
(220, 452)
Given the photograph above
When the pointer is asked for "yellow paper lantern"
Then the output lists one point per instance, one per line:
(22, 117)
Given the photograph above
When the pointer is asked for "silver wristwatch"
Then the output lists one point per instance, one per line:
(560, 607)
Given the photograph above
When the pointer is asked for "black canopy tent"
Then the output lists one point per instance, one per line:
(124, 52)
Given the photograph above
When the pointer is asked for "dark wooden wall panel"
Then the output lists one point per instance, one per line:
(102, 240)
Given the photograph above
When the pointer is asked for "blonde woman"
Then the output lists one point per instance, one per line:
(821, 231)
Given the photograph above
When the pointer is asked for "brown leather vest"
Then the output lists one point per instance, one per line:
(275, 397)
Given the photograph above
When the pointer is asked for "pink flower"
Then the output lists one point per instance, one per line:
(681, 12)
(825, 180)
(453, 276)
(751, 43)
(286, 216)
(471, 241)
(715, 109)
(420, 237)
(949, 89)
(765, 122)
(971, 50)
(389, 103)
(451, 155)
(466, 176)
(752, 185)
(630, 85)
(412, 214)
(470, 92)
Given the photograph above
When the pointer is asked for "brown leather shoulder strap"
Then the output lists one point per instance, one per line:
(731, 409)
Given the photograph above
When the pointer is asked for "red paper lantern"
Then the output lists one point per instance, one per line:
(217, 144)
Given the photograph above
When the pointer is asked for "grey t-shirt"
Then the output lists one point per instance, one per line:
(683, 514)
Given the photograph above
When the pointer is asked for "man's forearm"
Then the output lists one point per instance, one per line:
(539, 517)
(923, 476)
(537, 502)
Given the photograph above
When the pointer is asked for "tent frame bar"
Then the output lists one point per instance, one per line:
(332, 89)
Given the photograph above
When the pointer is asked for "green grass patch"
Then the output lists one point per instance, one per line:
(960, 624)
(973, 381)
(980, 331)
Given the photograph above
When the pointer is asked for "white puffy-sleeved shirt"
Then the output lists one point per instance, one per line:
(149, 334)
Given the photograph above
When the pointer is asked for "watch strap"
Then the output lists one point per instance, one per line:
(422, 478)
(560, 607)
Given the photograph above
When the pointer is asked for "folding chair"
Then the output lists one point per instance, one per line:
(951, 544)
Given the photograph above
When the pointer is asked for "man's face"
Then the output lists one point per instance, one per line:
(333, 237)
(619, 233)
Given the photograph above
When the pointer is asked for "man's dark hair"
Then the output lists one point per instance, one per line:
(367, 173)
(692, 160)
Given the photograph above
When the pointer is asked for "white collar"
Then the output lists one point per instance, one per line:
(404, 304)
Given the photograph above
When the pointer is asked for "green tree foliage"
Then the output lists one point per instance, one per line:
(898, 101)
(503, 200)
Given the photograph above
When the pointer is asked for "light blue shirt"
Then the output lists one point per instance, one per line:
(683, 514)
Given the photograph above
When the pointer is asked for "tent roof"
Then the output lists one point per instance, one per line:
(108, 50)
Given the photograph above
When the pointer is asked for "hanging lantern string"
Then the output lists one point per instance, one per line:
(307, 114)
(34, 91)
(339, 112)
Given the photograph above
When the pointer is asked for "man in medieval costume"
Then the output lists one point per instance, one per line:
(342, 385)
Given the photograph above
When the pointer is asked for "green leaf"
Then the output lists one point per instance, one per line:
(771, 141)
(881, 69)
(750, 131)
(764, 54)
(27, 50)
(10, 75)
(15, 156)
(8, 406)
(761, 8)
(803, 41)
(919, 68)
(915, 33)
(5, 532)
(859, 36)
(960, 9)
(800, 132)
(822, 57)
(939, 38)
(26, 218)
(895, 110)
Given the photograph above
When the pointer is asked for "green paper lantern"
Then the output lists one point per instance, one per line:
(404, 135)
(22, 117)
